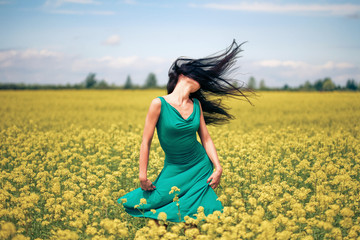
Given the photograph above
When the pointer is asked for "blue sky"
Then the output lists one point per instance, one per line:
(61, 41)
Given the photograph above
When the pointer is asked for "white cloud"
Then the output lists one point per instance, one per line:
(127, 63)
(112, 40)
(340, 65)
(351, 10)
(33, 53)
(156, 59)
(278, 63)
(106, 62)
(11, 57)
(120, 62)
(5, 55)
(45, 66)
(300, 64)
(277, 72)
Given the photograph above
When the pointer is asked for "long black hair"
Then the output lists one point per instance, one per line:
(212, 73)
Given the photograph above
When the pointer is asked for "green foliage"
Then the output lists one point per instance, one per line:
(286, 87)
(262, 85)
(308, 86)
(252, 83)
(325, 84)
(328, 85)
(318, 85)
(90, 80)
(102, 85)
(128, 83)
(151, 81)
(351, 85)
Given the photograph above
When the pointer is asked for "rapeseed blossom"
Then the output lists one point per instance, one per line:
(142, 201)
(162, 216)
(174, 189)
(289, 175)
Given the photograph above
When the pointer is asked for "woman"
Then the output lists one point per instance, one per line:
(189, 166)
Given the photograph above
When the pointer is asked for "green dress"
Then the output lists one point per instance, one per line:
(186, 166)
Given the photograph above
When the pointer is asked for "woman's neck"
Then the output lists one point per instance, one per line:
(181, 93)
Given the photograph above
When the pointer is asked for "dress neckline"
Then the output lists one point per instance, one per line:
(178, 110)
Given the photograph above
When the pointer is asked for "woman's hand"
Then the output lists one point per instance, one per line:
(214, 179)
(147, 185)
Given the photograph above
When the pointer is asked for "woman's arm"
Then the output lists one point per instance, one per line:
(211, 151)
(149, 128)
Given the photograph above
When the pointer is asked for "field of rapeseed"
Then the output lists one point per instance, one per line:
(291, 167)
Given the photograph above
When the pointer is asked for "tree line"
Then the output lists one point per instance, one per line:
(91, 82)
(325, 84)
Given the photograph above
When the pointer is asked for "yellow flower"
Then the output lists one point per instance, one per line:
(222, 198)
(7, 229)
(137, 206)
(284, 235)
(143, 201)
(20, 237)
(347, 212)
(91, 230)
(174, 189)
(66, 235)
(252, 201)
(162, 216)
(191, 233)
(282, 178)
(346, 222)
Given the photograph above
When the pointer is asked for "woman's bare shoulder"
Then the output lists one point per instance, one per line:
(155, 103)
(155, 108)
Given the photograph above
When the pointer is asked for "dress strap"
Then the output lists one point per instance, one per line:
(196, 101)
(161, 99)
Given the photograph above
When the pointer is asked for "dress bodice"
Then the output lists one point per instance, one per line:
(177, 136)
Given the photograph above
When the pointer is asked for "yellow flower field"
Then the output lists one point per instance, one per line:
(291, 167)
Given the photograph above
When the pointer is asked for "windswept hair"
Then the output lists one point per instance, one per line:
(212, 73)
